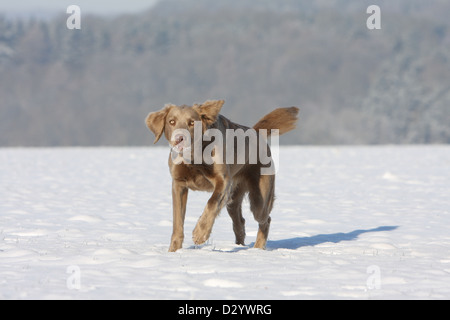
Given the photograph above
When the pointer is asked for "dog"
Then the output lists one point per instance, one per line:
(229, 181)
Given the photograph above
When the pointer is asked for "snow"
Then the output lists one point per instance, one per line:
(348, 223)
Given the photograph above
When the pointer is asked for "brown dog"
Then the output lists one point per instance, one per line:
(230, 180)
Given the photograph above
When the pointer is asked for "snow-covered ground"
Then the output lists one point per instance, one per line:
(348, 222)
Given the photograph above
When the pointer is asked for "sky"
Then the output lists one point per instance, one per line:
(43, 8)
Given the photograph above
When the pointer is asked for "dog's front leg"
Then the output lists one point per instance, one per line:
(179, 199)
(217, 201)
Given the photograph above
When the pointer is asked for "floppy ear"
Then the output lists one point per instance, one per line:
(209, 110)
(156, 120)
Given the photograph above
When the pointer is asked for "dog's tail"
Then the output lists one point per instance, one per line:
(283, 119)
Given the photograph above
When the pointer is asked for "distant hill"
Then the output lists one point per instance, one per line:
(95, 86)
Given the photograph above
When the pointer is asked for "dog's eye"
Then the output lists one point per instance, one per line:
(191, 123)
(172, 122)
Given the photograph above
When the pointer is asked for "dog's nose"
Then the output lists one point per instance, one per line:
(179, 138)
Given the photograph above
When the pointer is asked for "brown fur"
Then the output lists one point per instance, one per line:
(229, 183)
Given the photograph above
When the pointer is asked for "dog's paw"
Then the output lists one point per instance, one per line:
(200, 235)
(176, 243)
(174, 246)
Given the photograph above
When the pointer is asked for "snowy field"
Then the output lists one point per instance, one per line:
(348, 222)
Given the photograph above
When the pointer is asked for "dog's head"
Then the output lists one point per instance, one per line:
(175, 121)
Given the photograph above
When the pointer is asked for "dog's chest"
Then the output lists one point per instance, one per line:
(193, 176)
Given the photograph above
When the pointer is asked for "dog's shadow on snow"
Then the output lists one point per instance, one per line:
(298, 242)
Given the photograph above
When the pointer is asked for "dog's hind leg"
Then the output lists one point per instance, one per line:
(261, 197)
(234, 207)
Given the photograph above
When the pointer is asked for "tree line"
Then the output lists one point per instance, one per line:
(95, 85)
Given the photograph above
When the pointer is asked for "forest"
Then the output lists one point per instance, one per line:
(94, 86)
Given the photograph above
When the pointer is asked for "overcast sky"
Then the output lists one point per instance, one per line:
(47, 7)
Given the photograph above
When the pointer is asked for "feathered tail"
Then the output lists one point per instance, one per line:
(283, 119)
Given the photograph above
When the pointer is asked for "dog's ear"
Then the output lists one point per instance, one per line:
(209, 110)
(156, 120)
